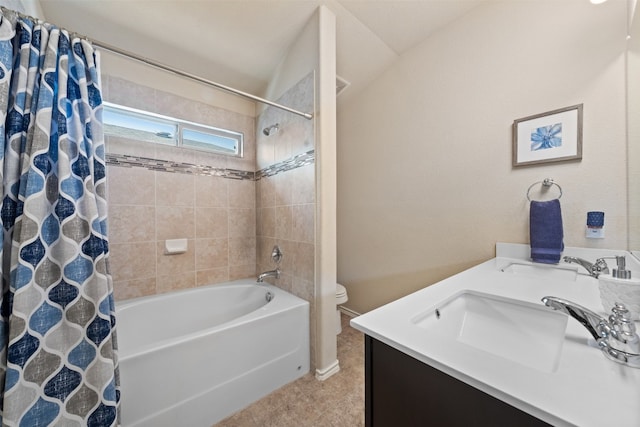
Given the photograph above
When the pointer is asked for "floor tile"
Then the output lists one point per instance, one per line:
(336, 402)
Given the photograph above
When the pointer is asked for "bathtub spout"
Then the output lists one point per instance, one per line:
(272, 273)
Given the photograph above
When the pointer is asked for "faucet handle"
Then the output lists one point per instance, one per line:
(620, 320)
(600, 267)
(619, 312)
(624, 332)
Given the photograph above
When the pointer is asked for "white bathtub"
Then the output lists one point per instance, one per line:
(194, 357)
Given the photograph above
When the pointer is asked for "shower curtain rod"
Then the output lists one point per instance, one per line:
(175, 71)
(181, 73)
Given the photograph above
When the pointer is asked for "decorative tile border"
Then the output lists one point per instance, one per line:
(300, 160)
(124, 160)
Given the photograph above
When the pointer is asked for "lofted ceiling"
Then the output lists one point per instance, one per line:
(239, 43)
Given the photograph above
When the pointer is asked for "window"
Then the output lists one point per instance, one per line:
(205, 140)
(149, 127)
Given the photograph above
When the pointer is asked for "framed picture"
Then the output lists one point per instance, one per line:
(555, 136)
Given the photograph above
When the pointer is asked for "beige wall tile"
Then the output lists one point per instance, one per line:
(174, 282)
(283, 145)
(283, 222)
(129, 261)
(181, 108)
(174, 222)
(175, 263)
(242, 271)
(212, 191)
(304, 143)
(122, 190)
(285, 282)
(284, 188)
(175, 154)
(212, 223)
(264, 245)
(127, 289)
(303, 190)
(302, 227)
(175, 189)
(303, 289)
(242, 194)
(128, 224)
(267, 193)
(211, 276)
(242, 222)
(242, 251)
(124, 92)
(266, 222)
(212, 253)
(304, 261)
(265, 145)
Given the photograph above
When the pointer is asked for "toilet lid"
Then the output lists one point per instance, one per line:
(341, 291)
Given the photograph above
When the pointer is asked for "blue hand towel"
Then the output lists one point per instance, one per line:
(545, 231)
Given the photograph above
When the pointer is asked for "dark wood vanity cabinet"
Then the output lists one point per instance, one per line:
(401, 391)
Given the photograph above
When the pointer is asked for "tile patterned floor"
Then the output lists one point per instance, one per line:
(307, 402)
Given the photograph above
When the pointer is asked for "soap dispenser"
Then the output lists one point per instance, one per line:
(619, 287)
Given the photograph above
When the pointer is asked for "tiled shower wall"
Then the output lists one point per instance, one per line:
(160, 192)
(231, 210)
(285, 195)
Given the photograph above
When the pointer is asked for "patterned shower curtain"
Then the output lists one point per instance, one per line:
(58, 359)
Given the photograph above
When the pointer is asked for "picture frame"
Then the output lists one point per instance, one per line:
(554, 136)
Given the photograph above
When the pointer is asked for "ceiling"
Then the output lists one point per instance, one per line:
(239, 43)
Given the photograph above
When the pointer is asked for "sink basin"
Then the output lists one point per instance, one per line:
(542, 271)
(526, 333)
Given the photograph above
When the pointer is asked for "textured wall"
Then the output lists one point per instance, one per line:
(425, 182)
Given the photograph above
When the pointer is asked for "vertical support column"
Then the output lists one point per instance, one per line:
(326, 264)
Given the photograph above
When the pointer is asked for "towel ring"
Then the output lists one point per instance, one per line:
(548, 182)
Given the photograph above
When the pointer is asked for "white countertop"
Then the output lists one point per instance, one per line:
(586, 389)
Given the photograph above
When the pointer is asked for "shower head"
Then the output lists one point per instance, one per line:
(268, 131)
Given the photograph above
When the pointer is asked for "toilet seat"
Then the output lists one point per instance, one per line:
(341, 298)
(341, 294)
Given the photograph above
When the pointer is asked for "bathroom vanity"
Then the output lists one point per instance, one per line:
(403, 391)
(480, 348)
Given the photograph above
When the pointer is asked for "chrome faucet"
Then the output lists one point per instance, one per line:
(595, 269)
(616, 336)
(271, 273)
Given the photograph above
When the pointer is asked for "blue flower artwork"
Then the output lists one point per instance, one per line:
(546, 137)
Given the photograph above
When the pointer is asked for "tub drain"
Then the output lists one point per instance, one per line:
(268, 296)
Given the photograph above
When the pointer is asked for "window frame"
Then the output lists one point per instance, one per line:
(181, 125)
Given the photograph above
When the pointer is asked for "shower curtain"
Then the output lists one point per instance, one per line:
(58, 358)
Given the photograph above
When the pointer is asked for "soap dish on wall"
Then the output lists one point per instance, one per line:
(175, 246)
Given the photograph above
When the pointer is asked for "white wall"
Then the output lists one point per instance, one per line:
(425, 182)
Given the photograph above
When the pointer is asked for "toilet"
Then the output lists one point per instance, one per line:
(341, 298)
